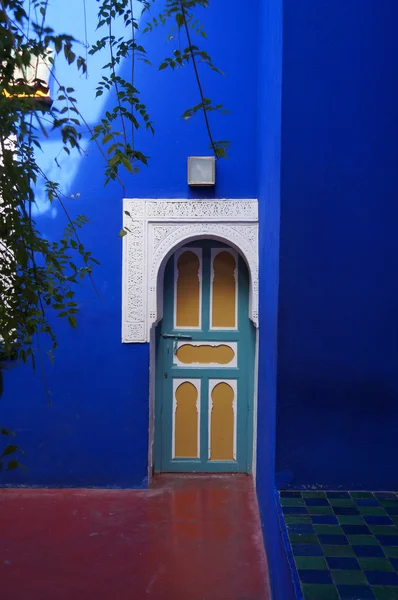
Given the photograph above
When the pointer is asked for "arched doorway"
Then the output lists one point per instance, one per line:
(205, 347)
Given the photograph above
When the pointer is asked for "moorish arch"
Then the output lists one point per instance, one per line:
(156, 228)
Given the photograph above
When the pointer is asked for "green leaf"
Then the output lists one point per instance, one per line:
(72, 321)
(179, 19)
(13, 464)
(10, 449)
(57, 45)
(122, 233)
(127, 164)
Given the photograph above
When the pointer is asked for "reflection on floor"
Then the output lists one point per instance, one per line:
(187, 538)
(345, 544)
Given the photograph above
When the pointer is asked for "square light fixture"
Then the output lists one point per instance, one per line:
(201, 170)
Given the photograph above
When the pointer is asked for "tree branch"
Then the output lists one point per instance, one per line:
(195, 67)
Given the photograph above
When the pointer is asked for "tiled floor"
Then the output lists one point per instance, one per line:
(345, 544)
(187, 538)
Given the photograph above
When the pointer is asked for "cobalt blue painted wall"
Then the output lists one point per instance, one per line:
(338, 312)
(269, 152)
(169, 94)
(96, 431)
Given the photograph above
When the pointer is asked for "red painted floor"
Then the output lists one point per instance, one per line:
(187, 538)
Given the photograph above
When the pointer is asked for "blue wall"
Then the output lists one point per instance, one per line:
(338, 312)
(96, 431)
(269, 153)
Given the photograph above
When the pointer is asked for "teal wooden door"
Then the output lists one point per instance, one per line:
(205, 363)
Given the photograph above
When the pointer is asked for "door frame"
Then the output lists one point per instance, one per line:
(153, 346)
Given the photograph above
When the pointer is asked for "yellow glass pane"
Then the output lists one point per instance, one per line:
(189, 354)
(222, 423)
(224, 291)
(186, 421)
(188, 290)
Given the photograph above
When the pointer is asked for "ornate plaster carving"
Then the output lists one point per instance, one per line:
(156, 228)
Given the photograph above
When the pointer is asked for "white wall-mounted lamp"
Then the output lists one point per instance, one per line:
(201, 170)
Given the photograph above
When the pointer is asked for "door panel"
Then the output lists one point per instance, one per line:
(186, 411)
(222, 419)
(206, 355)
(224, 287)
(188, 292)
(204, 363)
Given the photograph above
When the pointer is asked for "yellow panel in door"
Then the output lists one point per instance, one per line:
(222, 423)
(188, 290)
(189, 354)
(224, 291)
(186, 421)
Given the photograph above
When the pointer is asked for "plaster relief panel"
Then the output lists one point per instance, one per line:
(156, 228)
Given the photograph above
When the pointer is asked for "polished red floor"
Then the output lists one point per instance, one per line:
(187, 538)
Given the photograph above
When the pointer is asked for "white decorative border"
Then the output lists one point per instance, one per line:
(156, 228)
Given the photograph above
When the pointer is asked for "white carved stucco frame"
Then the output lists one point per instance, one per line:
(155, 228)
